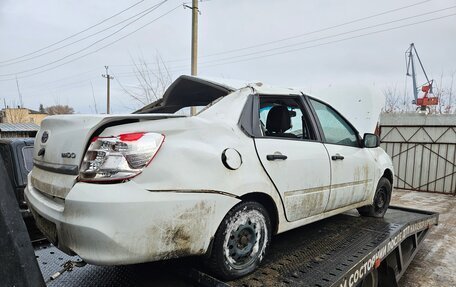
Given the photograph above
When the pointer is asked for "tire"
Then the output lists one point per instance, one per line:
(241, 241)
(371, 280)
(381, 202)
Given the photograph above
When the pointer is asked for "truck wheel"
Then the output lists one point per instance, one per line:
(381, 202)
(371, 280)
(241, 241)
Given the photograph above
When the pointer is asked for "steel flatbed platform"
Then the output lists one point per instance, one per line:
(344, 250)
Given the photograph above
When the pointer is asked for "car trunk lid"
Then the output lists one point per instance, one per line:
(60, 146)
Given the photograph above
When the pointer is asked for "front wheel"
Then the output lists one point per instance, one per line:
(241, 241)
(381, 202)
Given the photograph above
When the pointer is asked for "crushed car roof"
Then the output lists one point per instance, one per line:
(188, 91)
(360, 105)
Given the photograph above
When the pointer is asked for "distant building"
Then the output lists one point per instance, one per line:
(20, 130)
(21, 116)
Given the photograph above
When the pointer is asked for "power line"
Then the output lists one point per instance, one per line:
(324, 38)
(318, 30)
(215, 62)
(147, 11)
(67, 84)
(218, 63)
(334, 35)
(74, 35)
(318, 45)
(332, 42)
(101, 48)
(59, 80)
(300, 35)
(77, 83)
(134, 74)
(87, 47)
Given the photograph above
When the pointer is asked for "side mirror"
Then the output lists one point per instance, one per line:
(371, 140)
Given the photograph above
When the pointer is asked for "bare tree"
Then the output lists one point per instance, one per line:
(59, 110)
(444, 92)
(439, 92)
(392, 99)
(449, 107)
(152, 80)
(443, 89)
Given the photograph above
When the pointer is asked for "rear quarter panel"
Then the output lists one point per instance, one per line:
(190, 159)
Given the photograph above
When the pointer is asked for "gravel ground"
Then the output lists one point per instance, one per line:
(435, 262)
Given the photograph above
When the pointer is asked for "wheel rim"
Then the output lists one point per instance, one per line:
(246, 239)
(381, 199)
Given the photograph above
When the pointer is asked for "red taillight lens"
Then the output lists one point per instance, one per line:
(130, 137)
(120, 157)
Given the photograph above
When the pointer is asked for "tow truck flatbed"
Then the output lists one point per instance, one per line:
(344, 250)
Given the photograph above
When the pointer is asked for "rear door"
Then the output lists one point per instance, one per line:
(352, 167)
(297, 163)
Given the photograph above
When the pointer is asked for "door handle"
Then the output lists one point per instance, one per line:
(337, 157)
(276, 156)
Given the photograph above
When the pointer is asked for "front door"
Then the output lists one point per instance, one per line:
(352, 169)
(297, 164)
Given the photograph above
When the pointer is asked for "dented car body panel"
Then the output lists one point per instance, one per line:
(111, 229)
(173, 206)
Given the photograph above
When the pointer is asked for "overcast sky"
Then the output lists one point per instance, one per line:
(234, 42)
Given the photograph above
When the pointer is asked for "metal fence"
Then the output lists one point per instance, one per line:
(423, 150)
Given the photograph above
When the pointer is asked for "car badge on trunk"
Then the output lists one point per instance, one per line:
(44, 137)
(68, 155)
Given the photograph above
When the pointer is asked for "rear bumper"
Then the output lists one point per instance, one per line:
(113, 224)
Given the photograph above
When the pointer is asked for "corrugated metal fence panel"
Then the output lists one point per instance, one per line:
(424, 155)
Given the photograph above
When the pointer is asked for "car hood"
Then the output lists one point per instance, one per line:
(359, 104)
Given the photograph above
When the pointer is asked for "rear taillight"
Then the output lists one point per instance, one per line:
(120, 157)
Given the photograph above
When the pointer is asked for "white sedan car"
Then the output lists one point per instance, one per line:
(153, 185)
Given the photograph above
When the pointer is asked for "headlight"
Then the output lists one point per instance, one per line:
(120, 157)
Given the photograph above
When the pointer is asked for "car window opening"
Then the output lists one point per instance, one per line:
(283, 118)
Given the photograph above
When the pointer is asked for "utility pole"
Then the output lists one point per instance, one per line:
(108, 88)
(20, 95)
(195, 12)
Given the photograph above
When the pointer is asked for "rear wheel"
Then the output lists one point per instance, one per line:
(241, 241)
(381, 202)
